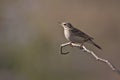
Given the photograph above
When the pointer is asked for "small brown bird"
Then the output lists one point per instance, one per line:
(75, 35)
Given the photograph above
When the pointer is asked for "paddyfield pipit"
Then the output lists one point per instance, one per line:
(75, 35)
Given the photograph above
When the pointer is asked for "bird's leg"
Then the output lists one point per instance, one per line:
(72, 44)
(81, 45)
(63, 45)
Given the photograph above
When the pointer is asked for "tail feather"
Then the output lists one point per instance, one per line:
(96, 45)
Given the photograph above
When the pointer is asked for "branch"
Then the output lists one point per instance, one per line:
(63, 45)
(83, 48)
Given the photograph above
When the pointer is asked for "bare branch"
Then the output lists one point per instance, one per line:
(98, 58)
(83, 48)
(63, 45)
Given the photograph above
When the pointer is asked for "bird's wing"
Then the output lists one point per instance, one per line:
(79, 33)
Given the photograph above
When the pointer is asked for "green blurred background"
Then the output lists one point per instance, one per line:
(30, 37)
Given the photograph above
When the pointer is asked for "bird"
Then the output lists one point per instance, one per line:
(75, 35)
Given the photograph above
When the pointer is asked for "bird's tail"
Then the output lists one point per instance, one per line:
(96, 45)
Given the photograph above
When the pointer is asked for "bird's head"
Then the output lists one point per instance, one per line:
(66, 25)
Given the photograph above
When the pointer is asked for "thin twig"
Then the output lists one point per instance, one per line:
(83, 48)
(63, 45)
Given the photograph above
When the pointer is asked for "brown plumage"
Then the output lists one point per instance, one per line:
(77, 36)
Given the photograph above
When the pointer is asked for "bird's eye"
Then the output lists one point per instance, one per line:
(65, 24)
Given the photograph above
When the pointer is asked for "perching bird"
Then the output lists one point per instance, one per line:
(75, 35)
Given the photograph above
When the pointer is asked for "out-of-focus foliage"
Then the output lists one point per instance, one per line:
(30, 37)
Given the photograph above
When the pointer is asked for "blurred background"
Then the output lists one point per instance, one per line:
(30, 37)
